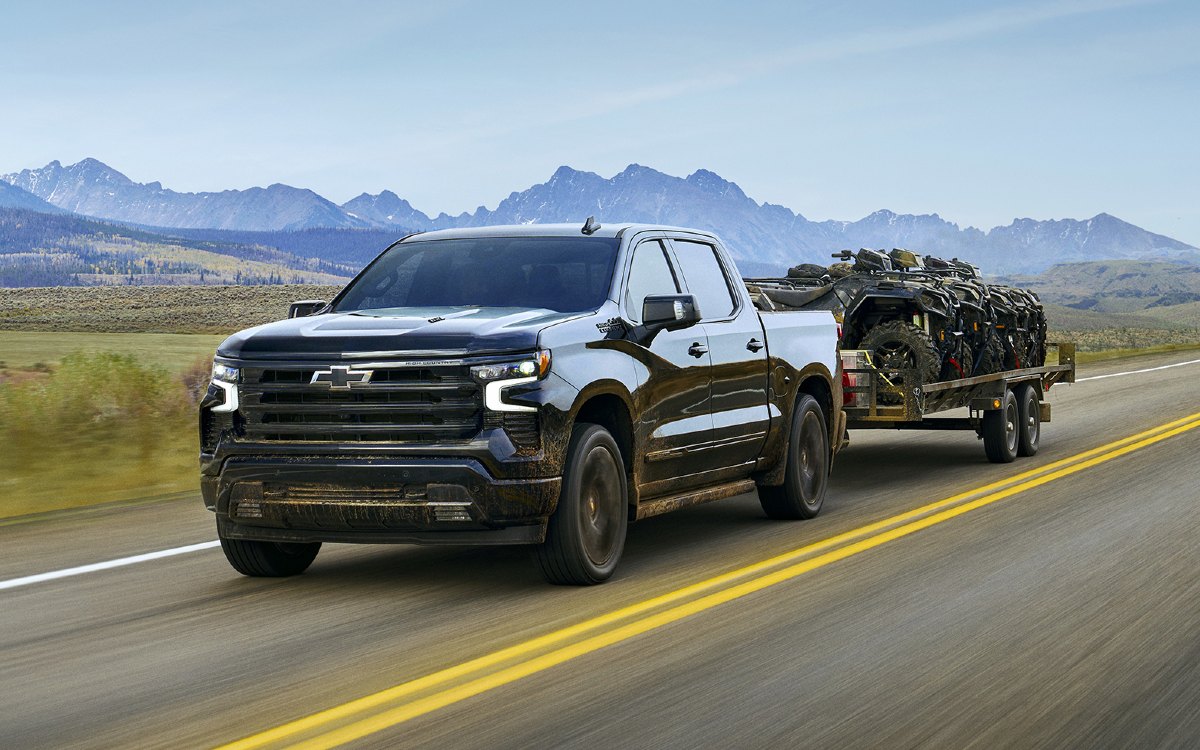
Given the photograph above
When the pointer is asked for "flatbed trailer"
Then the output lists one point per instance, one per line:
(1006, 409)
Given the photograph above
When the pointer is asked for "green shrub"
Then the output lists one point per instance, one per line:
(97, 427)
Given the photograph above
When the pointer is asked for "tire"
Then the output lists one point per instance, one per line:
(1029, 410)
(268, 559)
(586, 534)
(1000, 430)
(899, 345)
(993, 358)
(807, 473)
(806, 271)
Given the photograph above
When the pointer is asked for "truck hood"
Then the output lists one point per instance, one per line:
(461, 331)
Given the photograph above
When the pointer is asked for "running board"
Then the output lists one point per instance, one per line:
(695, 497)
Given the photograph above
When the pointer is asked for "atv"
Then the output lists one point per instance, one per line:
(924, 319)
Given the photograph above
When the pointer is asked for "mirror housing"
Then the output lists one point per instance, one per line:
(304, 308)
(665, 312)
(669, 312)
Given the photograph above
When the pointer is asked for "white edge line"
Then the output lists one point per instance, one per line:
(13, 583)
(1136, 372)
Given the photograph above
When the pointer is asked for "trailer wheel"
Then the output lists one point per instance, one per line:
(1030, 434)
(268, 559)
(586, 534)
(803, 490)
(1000, 430)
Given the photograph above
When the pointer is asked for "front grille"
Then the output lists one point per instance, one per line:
(398, 404)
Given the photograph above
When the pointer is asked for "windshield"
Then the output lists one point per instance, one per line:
(564, 274)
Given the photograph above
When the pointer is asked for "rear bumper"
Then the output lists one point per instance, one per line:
(371, 500)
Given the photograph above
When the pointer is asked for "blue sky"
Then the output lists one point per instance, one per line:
(980, 112)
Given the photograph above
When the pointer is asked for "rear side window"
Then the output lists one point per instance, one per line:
(649, 273)
(705, 280)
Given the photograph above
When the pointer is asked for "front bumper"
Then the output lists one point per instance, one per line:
(363, 499)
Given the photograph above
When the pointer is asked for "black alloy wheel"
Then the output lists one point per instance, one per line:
(807, 471)
(586, 534)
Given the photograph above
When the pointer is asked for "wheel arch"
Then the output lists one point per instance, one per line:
(611, 407)
(813, 380)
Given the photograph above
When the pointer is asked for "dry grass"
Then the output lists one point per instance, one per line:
(157, 309)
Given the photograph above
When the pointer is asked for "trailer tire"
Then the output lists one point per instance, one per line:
(259, 559)
(900, 345)
(1001, 430)
(1029, 409)
(586, 534)
(807, 466)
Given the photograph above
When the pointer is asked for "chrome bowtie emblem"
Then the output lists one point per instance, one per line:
(341, 378)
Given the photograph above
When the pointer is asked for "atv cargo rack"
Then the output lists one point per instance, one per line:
(1005, 409)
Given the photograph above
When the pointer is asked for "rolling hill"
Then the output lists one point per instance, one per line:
(42, 249)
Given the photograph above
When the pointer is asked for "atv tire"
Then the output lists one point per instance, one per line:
(993, 359)
(806, 271)
(900, 348)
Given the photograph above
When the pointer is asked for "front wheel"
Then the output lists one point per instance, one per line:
(807, 470)
(586, 534)
(268, 559)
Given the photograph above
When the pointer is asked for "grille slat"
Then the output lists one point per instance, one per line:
(397, 404)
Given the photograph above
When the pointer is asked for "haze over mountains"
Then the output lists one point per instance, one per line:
(761, 235)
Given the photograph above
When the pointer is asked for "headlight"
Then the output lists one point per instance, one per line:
(497, 377)
(226, 378)
(535, 366)
(224, 373)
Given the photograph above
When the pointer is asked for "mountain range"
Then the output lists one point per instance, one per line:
(765, 238)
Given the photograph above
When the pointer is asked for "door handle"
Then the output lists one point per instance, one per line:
(697, 349)
(754, 345)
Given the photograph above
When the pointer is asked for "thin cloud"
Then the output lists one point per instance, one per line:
(875, 41)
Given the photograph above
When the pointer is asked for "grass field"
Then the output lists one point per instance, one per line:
(40, 350)
(97, 427)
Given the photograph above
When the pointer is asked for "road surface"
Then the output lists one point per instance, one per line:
(939, 600)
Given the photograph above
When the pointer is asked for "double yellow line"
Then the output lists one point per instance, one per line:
(395, 705)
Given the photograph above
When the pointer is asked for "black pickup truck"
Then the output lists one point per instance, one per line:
(540, 385)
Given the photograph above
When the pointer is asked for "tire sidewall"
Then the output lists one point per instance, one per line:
(1029, 435)
(568, 518)
(806, 408)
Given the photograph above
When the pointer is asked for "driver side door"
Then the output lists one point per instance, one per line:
(674, 381)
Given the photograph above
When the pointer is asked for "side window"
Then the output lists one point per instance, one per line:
(649, 273)
(706, 281)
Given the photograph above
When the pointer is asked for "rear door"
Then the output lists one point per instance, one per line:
(737, 348)
(672, 418)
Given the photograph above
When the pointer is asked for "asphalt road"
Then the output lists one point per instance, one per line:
(1061, 612)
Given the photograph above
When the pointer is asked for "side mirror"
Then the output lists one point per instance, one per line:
(665, 312)
(669, 312)
(304, 308)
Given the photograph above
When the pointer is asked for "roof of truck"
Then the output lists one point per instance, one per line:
(547, 230)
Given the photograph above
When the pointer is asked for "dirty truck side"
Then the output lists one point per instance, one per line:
(517, 385)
